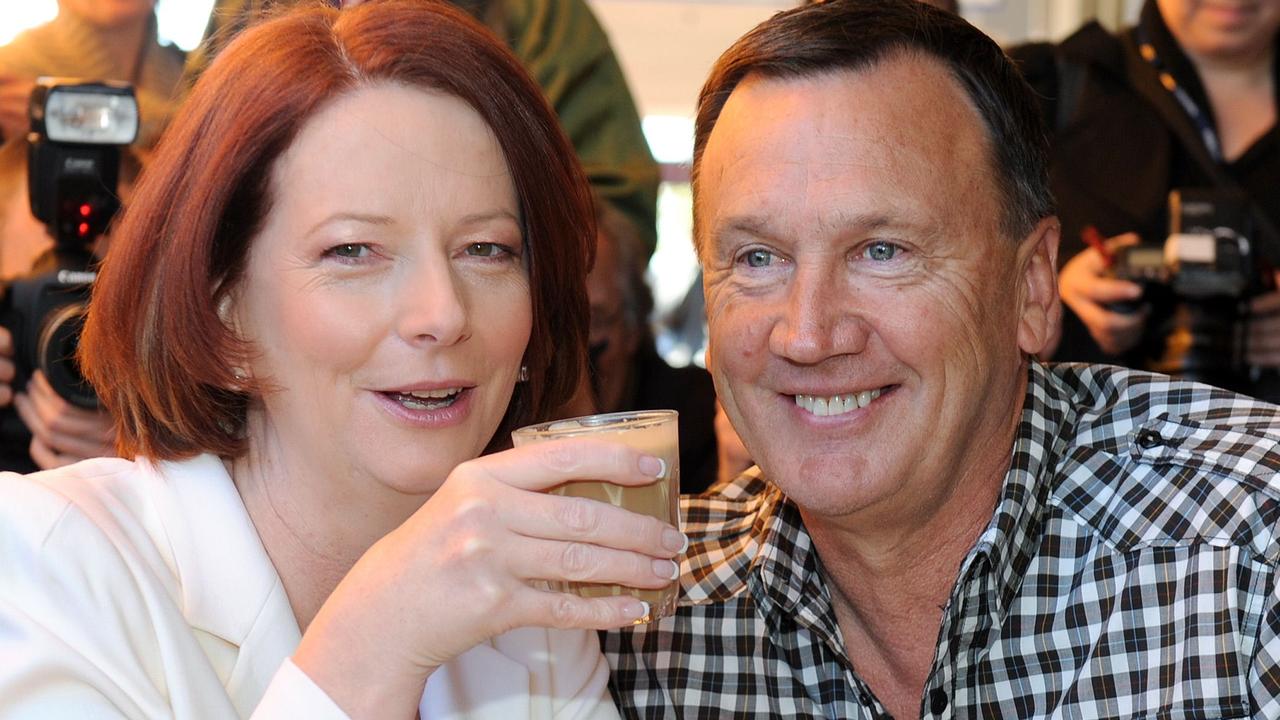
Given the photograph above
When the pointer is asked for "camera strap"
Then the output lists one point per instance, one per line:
(1202, 121)
(1199, 137)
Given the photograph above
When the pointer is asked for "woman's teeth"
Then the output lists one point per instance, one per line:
(427, 399)
(837, 404)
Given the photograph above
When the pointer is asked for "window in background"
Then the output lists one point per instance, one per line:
(673, 269)
(181, 22)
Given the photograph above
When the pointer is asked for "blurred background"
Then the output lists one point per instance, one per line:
(666, 48)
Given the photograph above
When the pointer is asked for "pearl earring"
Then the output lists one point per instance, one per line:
(523, 376)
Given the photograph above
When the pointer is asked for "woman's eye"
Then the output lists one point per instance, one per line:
(485, 249)
(882, 251)
(350, 251)
(758, 258)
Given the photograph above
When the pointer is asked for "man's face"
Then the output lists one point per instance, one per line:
(865, 311)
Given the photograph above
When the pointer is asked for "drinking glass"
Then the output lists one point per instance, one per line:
(651, 431)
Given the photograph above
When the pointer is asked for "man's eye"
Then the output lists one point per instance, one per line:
(882, 251)
(350, 251)
(485, 249)
(758, 258)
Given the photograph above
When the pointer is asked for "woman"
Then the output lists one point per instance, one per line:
(355, 264)
(1186, 99)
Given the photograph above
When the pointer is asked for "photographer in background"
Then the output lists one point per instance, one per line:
(100, 39)
(1184, 100)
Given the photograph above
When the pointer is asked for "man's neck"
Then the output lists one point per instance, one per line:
(890, 582)
(122, 43)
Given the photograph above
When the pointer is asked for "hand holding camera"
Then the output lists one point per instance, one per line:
(1209, 307)
(1109, 307)
(77, 130)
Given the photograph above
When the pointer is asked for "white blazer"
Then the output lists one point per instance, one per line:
(138, 590)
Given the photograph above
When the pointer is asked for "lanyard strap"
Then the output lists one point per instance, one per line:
(1201, 119)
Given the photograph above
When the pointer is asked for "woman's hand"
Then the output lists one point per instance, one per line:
(1087, 289)
(464, 569)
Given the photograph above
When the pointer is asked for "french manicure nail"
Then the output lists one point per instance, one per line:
(666, 569)
(653, 466)
(644, 610)
(674, 540)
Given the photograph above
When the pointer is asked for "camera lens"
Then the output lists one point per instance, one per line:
(59, 338)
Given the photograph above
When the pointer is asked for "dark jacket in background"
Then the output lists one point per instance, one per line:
(1120, 143)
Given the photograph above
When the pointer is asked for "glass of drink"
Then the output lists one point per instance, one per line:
(652, 431)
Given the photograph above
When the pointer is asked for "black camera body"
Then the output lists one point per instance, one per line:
(44, 311)
(1198, 283)
(73, 162)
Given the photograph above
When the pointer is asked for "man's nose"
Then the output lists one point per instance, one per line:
(821, 316)
(431, 306)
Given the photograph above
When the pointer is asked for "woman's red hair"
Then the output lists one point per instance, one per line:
(154, 346)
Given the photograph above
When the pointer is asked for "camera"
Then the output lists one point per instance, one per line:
(1198, 283)
(73, 162)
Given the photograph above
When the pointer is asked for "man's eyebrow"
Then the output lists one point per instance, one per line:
(763, 226)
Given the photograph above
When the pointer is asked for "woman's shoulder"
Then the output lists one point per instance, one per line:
(36, 505)
(83, 514)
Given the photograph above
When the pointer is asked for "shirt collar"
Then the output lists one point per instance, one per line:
(1008, 543)
(233, 592)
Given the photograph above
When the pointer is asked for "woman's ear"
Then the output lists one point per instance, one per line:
(226, 314)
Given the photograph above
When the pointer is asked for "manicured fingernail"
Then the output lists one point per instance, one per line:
(674, 540)
(666, 569)
(653, 466)
(640, 610)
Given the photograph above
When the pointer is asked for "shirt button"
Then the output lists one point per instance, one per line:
(1149, 438)
(937, 701)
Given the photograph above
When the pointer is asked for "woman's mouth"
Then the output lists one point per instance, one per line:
(427, 399)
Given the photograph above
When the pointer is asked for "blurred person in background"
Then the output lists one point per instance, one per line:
(92, 40)
(1186, 99)
(627, 373)
(355, 264)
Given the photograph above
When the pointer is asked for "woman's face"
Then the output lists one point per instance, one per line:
(1222, 30)
(108, 13)
(387, 294)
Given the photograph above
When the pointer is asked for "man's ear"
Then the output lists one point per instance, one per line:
(1040, 311)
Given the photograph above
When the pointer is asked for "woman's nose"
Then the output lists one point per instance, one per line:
(432, 308)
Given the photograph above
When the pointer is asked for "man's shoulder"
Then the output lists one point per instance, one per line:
(725, 526)
(1149, 459)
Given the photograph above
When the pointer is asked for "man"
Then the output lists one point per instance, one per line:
(939, 525)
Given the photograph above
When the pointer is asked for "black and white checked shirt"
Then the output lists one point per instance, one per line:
(1129, 571)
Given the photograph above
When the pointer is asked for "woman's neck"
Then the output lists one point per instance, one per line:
(313, 524)
(1242, 93)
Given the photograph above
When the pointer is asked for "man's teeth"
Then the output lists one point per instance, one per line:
(428, 399)
(836, 404)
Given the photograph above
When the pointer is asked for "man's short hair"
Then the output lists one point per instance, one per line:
(853, 35)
